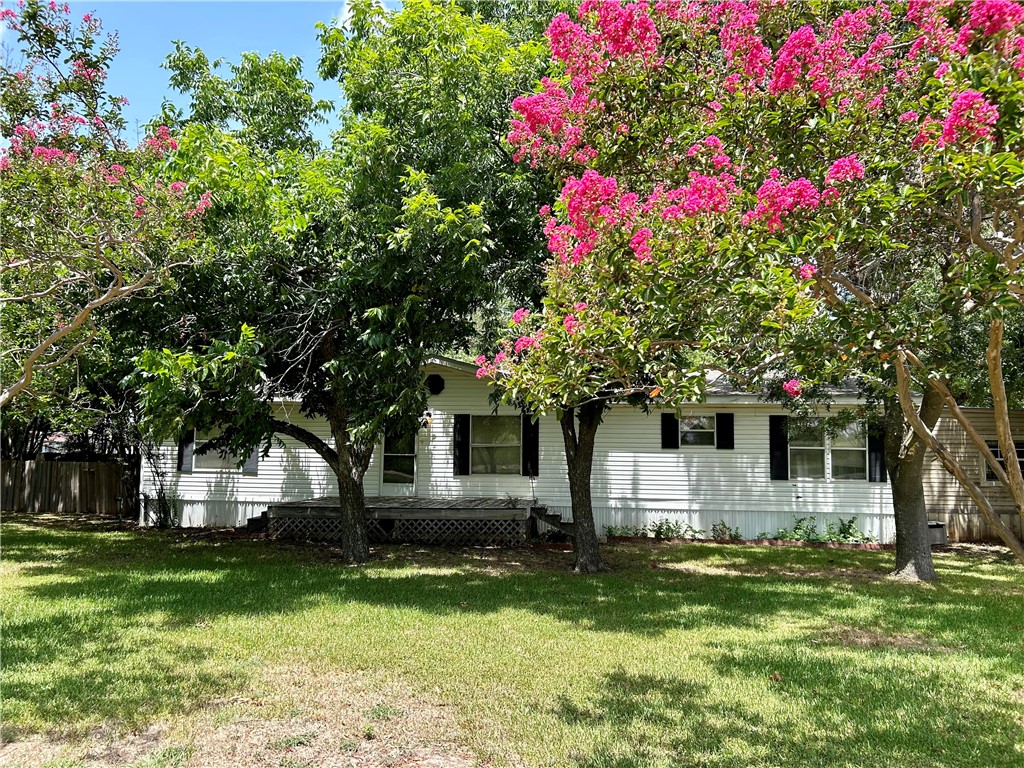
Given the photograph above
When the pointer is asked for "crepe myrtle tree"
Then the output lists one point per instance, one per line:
(791, 156)
(87, 220)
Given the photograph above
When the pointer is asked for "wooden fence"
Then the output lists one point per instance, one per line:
(64, 486)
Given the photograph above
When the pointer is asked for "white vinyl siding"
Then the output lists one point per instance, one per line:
(634, 482)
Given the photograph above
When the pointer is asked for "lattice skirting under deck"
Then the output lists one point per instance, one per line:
(452, 532)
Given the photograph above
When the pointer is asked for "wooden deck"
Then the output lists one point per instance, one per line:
(412, 508)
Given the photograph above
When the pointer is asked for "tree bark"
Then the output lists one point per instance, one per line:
(349, 462)
(948, 460)
(579, 430)
(904, 459)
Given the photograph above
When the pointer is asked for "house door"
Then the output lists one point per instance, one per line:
(398, 465)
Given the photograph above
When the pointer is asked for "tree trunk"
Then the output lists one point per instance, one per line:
(349, 462)
(579, 430)
(948, 460)
(904, 458)
(355, 543)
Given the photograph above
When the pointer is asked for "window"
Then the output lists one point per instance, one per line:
(807, 449)
(850, 453)
(990, 476)
(495, 445)
(697, 430)
(212, 459)
(810, 446)
(399, 459)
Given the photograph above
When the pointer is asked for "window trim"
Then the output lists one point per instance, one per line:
(698, 446)
(994, 447)
(827, 448)
(472, 445)
(414, 455)
(197, 442)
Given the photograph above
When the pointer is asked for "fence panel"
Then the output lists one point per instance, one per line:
(81, 487)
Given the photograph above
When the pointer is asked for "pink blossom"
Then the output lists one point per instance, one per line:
(525, 342)
(793, 388)
(520, 315)
(177, 188)
(580, 306)
(908, 117)
(994, 16)
(205, 202)
(844, 169)
(86, 18)
(640, 245)
(970, 118)
(807, 271)
(776, 200)
(499, 358)
(571, 324)
(481, 360)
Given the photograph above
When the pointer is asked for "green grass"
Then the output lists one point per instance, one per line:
(695, 655)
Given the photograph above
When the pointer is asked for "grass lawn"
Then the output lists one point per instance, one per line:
(164, 645)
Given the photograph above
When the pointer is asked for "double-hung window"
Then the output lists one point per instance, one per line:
(814, 453)
(212, 459)
(495, 445)
(697, 430)
(399, 458)
(990, 476)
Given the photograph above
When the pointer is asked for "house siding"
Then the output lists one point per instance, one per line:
(635, 481)
(947, 501)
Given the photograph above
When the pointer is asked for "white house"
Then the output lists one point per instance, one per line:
(728, 459)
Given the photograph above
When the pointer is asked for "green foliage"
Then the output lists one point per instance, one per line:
(806, 529)
(720, 531)
(265, 101)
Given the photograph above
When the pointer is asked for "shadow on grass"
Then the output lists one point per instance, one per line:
(814, 713)
(118, 633)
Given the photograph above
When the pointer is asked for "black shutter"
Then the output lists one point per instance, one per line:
(252, 464)
(724, 431)
(461, 444)
(530, 457)
(778, 446)
(876, 456)
(185, 451)
(669, 430)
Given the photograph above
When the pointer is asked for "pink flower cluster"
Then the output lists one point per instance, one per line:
(520, 315)
(991, 17)
(571, 324)
(807, 271)
(80, 69)
(970, 119)
(624, 29)
(844, 169)
(204, 203)
(526, 342)
(160, 142)
(793, 388)
(703, 194)
(50, 155)
(776, 199)
(486, 369)
(114, 174)
(640, 245)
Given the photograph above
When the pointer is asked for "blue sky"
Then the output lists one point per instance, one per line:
(221, 29)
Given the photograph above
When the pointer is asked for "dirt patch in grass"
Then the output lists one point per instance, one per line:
(295, 718)
(851, 637)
